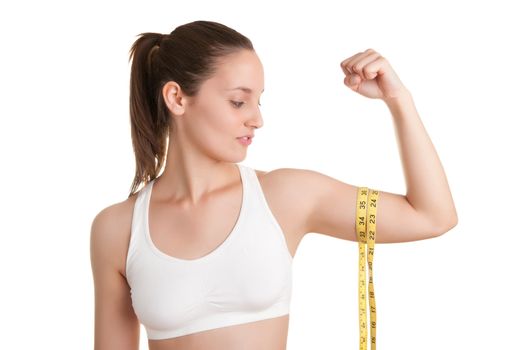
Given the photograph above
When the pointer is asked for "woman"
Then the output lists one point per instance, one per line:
(201, 255)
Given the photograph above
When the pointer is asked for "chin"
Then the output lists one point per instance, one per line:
(232, 158)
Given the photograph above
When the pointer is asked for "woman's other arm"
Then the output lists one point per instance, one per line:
(116, 326)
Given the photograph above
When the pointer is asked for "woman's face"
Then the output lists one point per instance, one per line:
(226, 107)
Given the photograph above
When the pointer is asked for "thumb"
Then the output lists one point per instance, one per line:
(353, 81)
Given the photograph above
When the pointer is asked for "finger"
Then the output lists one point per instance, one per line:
(355, 63)
(352, 81)
(345, 64)
(375, 67)
(364, 62)
(355, 79)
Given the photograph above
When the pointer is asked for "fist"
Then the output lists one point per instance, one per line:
(371, 75)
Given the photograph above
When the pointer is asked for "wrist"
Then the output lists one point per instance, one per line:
(401, 97)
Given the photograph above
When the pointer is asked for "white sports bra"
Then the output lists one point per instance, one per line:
(246, 278)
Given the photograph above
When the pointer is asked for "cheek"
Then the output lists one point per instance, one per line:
(213, 127)
(221, 117)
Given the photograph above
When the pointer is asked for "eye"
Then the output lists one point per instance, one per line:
(237, 104)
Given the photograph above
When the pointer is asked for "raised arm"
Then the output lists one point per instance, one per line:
(427, 210)
(371, 75)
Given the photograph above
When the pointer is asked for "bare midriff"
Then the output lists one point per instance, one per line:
(269, 334)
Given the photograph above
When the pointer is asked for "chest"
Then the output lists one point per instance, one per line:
(194, 233)
(246, 276)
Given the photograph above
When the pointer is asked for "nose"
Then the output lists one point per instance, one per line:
(256, 121)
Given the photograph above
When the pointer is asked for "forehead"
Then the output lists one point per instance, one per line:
(241, 71)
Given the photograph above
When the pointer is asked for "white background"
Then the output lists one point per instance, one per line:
(66, 154)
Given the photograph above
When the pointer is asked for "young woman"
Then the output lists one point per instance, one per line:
(201, 255)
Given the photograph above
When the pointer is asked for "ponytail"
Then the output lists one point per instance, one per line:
(148, 125)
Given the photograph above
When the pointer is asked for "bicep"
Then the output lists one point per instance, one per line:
(334, 212)
(116, 325)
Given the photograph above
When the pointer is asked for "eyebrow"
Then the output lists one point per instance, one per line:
(243, 88)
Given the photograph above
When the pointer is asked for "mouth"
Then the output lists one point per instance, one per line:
(245, 140)
(246, 137)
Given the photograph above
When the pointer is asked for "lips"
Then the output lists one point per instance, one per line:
(245, 140)
(246, 137)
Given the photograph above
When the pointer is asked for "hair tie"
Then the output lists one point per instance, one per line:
(156, 46)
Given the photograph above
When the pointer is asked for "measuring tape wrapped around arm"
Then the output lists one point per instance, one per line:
(365, 227)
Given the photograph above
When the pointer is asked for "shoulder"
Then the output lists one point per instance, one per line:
(291, 195)
(291, 180)
(110, 234)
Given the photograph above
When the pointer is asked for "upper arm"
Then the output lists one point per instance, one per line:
(116, 325)
(332, 211)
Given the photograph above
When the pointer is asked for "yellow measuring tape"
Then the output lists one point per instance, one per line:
(365, 222)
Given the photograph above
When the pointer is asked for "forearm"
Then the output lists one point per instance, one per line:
(427, 186)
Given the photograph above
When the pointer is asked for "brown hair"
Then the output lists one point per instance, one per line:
(188, 55)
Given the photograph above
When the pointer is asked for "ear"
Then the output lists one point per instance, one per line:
(174, 98)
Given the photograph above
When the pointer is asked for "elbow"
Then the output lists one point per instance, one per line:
(447, 225)
(453, 221)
